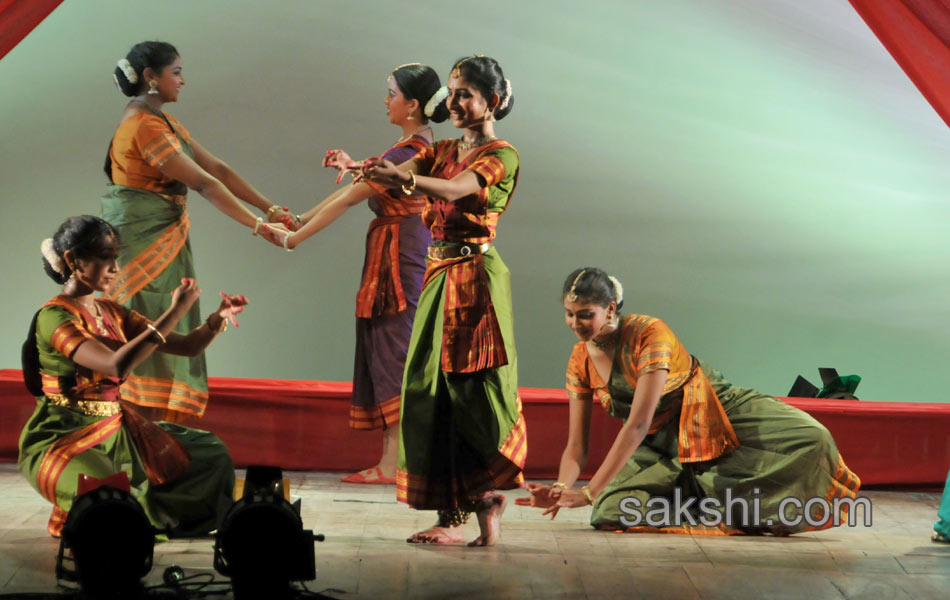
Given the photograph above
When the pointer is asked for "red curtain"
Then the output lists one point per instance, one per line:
(19, 17)
(302, 425)
(917, 34)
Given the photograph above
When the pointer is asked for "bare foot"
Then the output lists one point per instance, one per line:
(437, 535)
(489, 520)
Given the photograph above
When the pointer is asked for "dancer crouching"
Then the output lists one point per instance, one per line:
(79, 351)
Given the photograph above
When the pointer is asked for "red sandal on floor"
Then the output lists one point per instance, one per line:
(360, 478)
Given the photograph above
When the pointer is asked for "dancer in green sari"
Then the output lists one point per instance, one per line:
(462, 432)
(79, 350)
(735, 460)
(152, 162)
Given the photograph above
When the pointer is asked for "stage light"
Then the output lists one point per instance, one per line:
(261, 544)
(110, 539)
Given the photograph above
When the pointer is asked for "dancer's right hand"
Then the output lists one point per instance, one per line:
(542, 496)
(185, 294)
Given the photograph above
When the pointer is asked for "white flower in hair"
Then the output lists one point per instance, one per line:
(128, 71)
(504, 101)
(54, 260)
(618, 289)
(437, 98)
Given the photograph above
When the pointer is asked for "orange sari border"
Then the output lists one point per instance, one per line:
(64, 450)
(378, 417)
(149, 263)
(164, 393)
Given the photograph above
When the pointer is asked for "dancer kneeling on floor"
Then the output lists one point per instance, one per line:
(688, 433)
(79, 350)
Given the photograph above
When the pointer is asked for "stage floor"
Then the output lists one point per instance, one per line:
(365, 554)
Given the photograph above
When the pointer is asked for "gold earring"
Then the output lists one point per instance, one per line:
(410, 118)
(152, 87)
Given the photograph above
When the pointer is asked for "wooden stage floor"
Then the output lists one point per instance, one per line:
(365, 554)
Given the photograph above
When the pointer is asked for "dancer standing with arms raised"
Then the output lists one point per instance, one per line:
(394, 264)
(462, 432)
(152, 163)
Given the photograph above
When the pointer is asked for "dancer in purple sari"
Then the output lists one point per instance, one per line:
(394, 265)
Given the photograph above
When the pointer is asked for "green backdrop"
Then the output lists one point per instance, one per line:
(760, 174)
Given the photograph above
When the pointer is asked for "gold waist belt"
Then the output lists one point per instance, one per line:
(444, 252)
(96, 408)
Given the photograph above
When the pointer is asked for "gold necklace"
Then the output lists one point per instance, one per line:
(98, 317)
(463, 145)
(409, 135)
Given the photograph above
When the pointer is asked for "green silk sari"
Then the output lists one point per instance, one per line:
(154, 256)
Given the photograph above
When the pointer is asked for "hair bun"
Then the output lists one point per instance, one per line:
(55, 260)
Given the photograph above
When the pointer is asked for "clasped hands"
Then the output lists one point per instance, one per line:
(551, 498)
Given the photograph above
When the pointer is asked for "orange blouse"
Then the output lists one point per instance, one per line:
(647, 344)
(143, 143)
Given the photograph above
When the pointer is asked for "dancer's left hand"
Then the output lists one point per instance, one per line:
(231, 305)
(340, 160)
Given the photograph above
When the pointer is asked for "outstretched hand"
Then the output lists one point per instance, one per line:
(231, 305)
(340, 160)
(542, 496)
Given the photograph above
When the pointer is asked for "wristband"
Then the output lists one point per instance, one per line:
(156, 332)
(590, 497)
(408, 190)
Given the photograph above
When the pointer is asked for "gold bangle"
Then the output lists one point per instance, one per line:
(408, 190)
(257, 225)
(586, 490)
(156, 332)
(270, 211)
(221, 328)
(558, 484)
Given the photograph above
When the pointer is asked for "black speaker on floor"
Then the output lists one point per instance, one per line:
(109, 538)
(261, 544)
